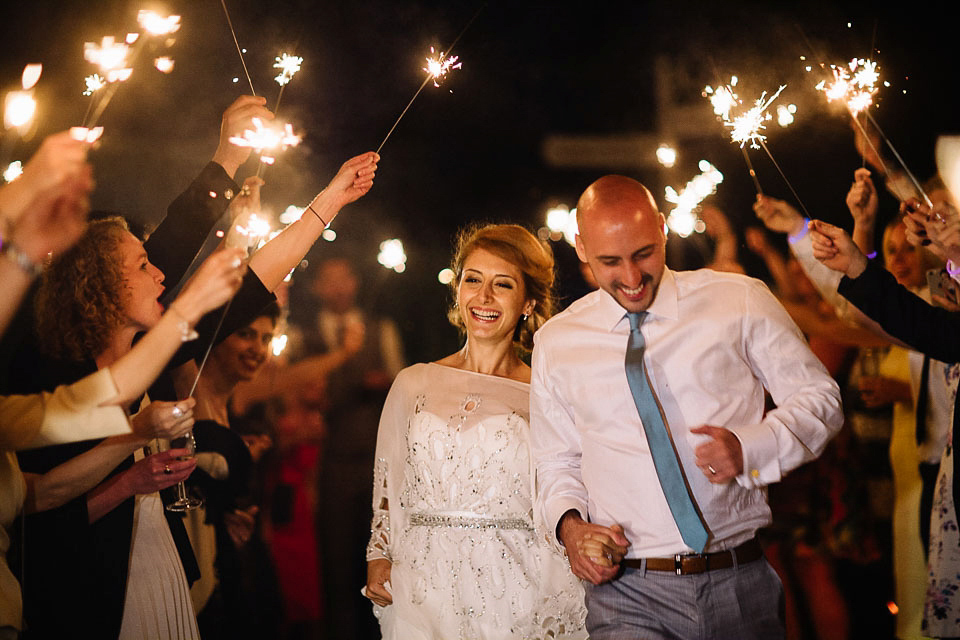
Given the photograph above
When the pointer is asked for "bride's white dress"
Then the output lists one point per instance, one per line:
(453, 512)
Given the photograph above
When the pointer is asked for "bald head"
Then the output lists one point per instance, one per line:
(613, 197)
(621, 238)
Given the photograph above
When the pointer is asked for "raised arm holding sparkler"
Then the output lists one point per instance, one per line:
(275, 260)
(236, 119)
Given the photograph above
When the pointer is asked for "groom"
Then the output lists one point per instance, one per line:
(652, 448)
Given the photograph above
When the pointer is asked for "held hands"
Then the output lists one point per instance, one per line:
(721, 458)
(158, 471)
(164, 419)
(862, 199)
(594, 551)
(777, 215)
(833, 247)
(378, 574)
(238, 117)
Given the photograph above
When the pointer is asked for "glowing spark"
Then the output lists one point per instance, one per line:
(329, 235)
(109, 55)
(291, 214)
(854, 84)
(445, 276)
(666, 155)
(164, 64)
(118, 75)
(132, 37)
(93, 84)
(723, 99)
(19, 109)
(31, 73)
(83, 134)
(156, 24)
(392, 256)
(785, 115)
(747, 126)
(288, 66)
(278, 344)
(263, 138)
(13, 171)
(247, 233)
(439, 67)
(682, 220)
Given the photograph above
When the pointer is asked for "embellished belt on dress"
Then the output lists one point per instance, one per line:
(459, 521)
(686, 563)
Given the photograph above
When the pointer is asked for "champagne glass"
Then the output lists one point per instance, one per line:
(184, 502)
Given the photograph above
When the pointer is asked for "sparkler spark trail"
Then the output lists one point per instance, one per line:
(288, 66)
(438, 66)
(854, 84)
(747, 126)
(682, 220)
(158, 25)
(30, 76)
(93, 83)
(441, 66)
(262, 138)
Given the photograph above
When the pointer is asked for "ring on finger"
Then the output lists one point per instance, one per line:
(711, 469)
(167, 470)
(177, 411)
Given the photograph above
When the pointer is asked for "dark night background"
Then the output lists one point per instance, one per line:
(473, 148)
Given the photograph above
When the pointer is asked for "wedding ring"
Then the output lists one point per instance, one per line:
(236, 263)
(177, 411)
(711, 469)
(167, 470)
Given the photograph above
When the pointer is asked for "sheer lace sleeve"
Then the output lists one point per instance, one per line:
(389, 461)
(379, 545)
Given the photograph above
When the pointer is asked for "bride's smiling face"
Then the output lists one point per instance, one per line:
(491, 296)
(142, 285)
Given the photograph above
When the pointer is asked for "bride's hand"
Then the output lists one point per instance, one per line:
(378, 573)
(164, 419)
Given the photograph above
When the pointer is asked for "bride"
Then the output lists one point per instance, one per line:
(454, 550)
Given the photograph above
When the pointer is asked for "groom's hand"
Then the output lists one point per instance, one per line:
(584, 539)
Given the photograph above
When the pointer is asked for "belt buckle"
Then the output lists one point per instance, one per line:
(680, 557)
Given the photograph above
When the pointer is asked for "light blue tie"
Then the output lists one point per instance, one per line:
(665, 460)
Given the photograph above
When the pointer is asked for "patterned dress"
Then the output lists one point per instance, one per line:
(942, 614)
(453, 512)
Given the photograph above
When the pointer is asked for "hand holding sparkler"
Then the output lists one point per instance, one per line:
(778, 216)
(237, 118)
(213, 284)
(248, 200)
(936, 228)
(862, 198)
(835, 249)
(278, 257)
(352, 182)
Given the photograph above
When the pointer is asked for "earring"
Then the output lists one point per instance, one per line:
(524, 317)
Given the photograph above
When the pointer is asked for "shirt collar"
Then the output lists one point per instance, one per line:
(665, 305)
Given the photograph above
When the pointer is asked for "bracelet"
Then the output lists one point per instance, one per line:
(17, 256)
(871, 255)
(310, 207)
(797, 237)
(953, 269)
(187, 333)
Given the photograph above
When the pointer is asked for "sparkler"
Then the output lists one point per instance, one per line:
(392, 255)
(116, 60)
(262, 138)
(855, 84)
(436, 68)
(13, 171)
(245, 234)
(288, 66)
(683, 220)
(233, 33)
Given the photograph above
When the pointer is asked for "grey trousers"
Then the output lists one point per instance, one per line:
(740, 603)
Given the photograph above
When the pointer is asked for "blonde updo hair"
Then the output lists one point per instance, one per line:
(79, 303)
(520, 248)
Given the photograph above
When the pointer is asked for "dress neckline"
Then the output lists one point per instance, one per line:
(525, 385)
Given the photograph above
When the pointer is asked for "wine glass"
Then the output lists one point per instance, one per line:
(184, 502)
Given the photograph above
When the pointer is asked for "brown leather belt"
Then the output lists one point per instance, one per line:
(688, 563)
